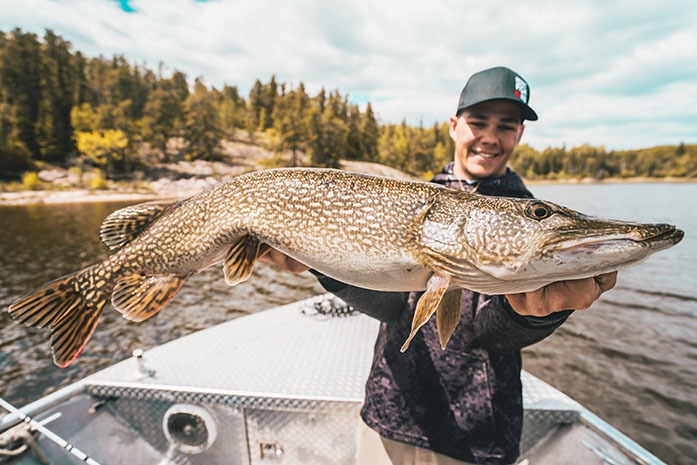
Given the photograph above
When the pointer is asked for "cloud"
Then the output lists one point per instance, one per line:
(619, 74)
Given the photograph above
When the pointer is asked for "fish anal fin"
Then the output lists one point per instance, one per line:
(427, 305)
(122, 226)
(241, 257)
(448, 315)
(138, 297)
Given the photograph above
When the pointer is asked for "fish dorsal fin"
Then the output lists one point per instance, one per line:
(138, 297)
(241, 257)
(426, 306)
(122, 226)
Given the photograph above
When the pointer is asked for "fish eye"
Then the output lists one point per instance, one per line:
(538, 211)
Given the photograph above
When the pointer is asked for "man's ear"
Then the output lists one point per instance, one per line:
(452, 127)
(521, 130)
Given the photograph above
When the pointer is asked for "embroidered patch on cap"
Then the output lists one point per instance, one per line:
(521, 89)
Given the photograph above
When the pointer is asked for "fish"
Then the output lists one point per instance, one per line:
(369, 231)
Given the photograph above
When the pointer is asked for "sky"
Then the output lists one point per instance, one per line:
(621, 74)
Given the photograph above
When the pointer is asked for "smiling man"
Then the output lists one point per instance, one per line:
(461, 405)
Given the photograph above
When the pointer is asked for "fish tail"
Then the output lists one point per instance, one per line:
(70, 306)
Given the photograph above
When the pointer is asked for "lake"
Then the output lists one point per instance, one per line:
(631, 358)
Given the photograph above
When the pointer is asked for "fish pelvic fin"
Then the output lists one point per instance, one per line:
(426, 306)
(448, 315)
(122, 226)
(70, 306)
(241, 257)
(138, 297)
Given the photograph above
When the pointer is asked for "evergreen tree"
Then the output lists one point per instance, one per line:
(292, 121)
(161, 117)
(58, 77)
(20, 77)
(201, 130)
(369, 134)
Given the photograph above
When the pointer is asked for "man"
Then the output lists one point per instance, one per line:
(464, 404)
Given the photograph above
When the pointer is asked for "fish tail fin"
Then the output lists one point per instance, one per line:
(70, 306)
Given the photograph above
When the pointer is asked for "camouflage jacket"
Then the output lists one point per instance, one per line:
(466, 401)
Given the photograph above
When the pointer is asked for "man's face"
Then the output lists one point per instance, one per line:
(485, 136)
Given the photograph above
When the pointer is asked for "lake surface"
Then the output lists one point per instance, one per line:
(631, 358)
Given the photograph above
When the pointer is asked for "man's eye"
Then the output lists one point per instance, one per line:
(506, 128)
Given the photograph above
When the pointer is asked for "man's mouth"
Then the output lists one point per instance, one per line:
(486, 154)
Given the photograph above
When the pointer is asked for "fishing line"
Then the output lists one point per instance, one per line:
(48, 433)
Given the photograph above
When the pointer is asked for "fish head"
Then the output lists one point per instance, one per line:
(541, 242)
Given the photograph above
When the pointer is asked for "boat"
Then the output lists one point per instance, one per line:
(282, 386)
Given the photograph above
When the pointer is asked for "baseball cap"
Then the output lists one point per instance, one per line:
(498, 83)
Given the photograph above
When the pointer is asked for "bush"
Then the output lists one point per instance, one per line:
(99, 182)
(13, 162)
(31, 181)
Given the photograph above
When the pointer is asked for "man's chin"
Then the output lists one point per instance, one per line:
(486, 168)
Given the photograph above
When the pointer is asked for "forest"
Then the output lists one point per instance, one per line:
(60, 107)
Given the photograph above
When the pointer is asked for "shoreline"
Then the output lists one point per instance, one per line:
(49, 197)
(182, 190)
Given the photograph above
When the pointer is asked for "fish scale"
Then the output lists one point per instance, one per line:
(368, 231)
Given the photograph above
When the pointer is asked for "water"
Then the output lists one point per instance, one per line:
(632, 358)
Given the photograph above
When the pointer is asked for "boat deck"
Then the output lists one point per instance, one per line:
(280, 386)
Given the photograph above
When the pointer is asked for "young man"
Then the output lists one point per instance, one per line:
(462, 405)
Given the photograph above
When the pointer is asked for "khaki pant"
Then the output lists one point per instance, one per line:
(373, 449)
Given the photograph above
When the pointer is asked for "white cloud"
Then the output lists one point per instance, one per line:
(620, 74)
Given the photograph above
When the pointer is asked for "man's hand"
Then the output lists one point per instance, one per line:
(283, 261)
(576, 294)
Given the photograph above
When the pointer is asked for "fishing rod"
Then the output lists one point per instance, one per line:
(48, 433)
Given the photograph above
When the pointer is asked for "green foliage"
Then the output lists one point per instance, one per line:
(98, 181)
(14, 160)
(55, 102)
(597, 163)
(201, 129)
(105, 149)
(31, 181)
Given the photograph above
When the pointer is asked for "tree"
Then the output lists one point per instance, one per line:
(106, 149)
(369, 134)
(201, 129)
(20, 77)
(292, 121)
(161, 117)
(58, 77)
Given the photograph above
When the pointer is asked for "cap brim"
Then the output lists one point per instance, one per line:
(526, 112)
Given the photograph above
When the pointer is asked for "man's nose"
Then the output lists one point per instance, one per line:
(489, 135)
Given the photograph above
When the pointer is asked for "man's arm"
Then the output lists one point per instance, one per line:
(515, 321)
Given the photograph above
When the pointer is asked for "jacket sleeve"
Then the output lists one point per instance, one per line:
(384, 306)
(498, 327)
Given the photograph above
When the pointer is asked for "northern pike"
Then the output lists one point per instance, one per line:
(369, 231)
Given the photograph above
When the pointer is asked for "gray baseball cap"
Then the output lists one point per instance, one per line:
(498, 83)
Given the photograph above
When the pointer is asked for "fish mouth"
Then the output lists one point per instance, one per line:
(653, 237)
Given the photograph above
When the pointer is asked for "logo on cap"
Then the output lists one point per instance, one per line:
(521, 89)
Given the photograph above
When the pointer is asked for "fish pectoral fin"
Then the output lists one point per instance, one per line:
(241, 257)
(138, 297)
(122, 226)
(427, 305)
(448, 315)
